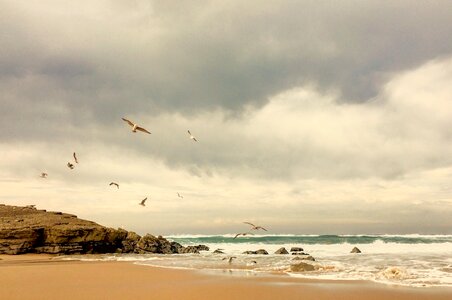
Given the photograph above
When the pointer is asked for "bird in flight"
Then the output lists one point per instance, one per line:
(75, 158)
(114, 183)
(142, 201)
(255, 227)
(135, 127)
(230, 258)
(244, 234)
(43, 175)
(191, 136)
(180, 196)
(70, 166)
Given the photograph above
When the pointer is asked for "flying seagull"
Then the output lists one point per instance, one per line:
(142, 201)
(180, 196)
(114, 183)
(135, 127)
(75, 158)
(44, 175)
(255, 227)
(244, 233)
(230, 258)
(191, 136)
(70, 166)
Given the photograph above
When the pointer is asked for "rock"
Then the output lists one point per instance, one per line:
(303, 267)
(281, 251)
(308, 257)
(355, 250)
(218, 251)
(296, 249)
(130, 242)
(203, 248)
(190, 249)
(299, 253)
(260, 251)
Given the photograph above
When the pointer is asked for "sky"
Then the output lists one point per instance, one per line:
(312, 117)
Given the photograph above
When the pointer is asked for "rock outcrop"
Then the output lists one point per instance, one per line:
(218, 251)
(281, 251)
(307, 257)
(29, 230)
(296, 249)
(260, 251)
(355, 250)
(303, 267)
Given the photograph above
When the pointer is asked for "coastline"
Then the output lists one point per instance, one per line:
(37, 276)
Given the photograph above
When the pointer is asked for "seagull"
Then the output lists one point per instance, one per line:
(44, 175)
(239, 234)
(75, 158)
(180, 196)
(70, 166)
(135, 127)
(191, 136)
(255, 227)
(229, 259)
(114, 183)
(142, 201)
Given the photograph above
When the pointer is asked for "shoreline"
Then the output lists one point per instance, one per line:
(40, 276)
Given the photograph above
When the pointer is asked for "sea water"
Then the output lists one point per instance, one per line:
(412, 260)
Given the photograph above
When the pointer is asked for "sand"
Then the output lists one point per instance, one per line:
(42, 277)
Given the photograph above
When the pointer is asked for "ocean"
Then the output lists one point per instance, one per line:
(409, 260)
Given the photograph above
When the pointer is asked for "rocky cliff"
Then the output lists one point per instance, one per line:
(30, 230)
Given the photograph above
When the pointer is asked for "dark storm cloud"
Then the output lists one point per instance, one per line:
(203, 55)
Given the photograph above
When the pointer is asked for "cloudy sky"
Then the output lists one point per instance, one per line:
(312, 116)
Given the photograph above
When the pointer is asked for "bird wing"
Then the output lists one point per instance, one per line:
(237, 235)
(129, 122)
(249, 224)
(262, 228)
(195, 139)
(189, 132)
(142, 129)
(144, 200)
(75, 158)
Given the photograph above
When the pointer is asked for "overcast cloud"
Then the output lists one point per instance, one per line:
(312, 116)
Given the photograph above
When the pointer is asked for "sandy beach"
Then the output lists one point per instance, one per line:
(42, 277)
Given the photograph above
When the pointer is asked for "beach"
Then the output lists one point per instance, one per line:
(32, 276)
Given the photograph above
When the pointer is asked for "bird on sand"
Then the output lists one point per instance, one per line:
(70, 166)
(142, 201)
(135, 127)
(191, 136)
(43, 175)
(244, 234)
(255, 227)
(180, 196)
(230, 258)
(114, 183)
(75, 158)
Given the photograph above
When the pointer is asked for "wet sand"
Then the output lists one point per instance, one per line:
(43, 277)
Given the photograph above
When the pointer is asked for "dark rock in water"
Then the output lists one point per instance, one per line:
(260, 251)
(281, 251)
(308, 257)
(218, 251)
(189, 249)
(303, 267)
(299, 253)
(355, 250)
(202, 248)
(296, 249)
